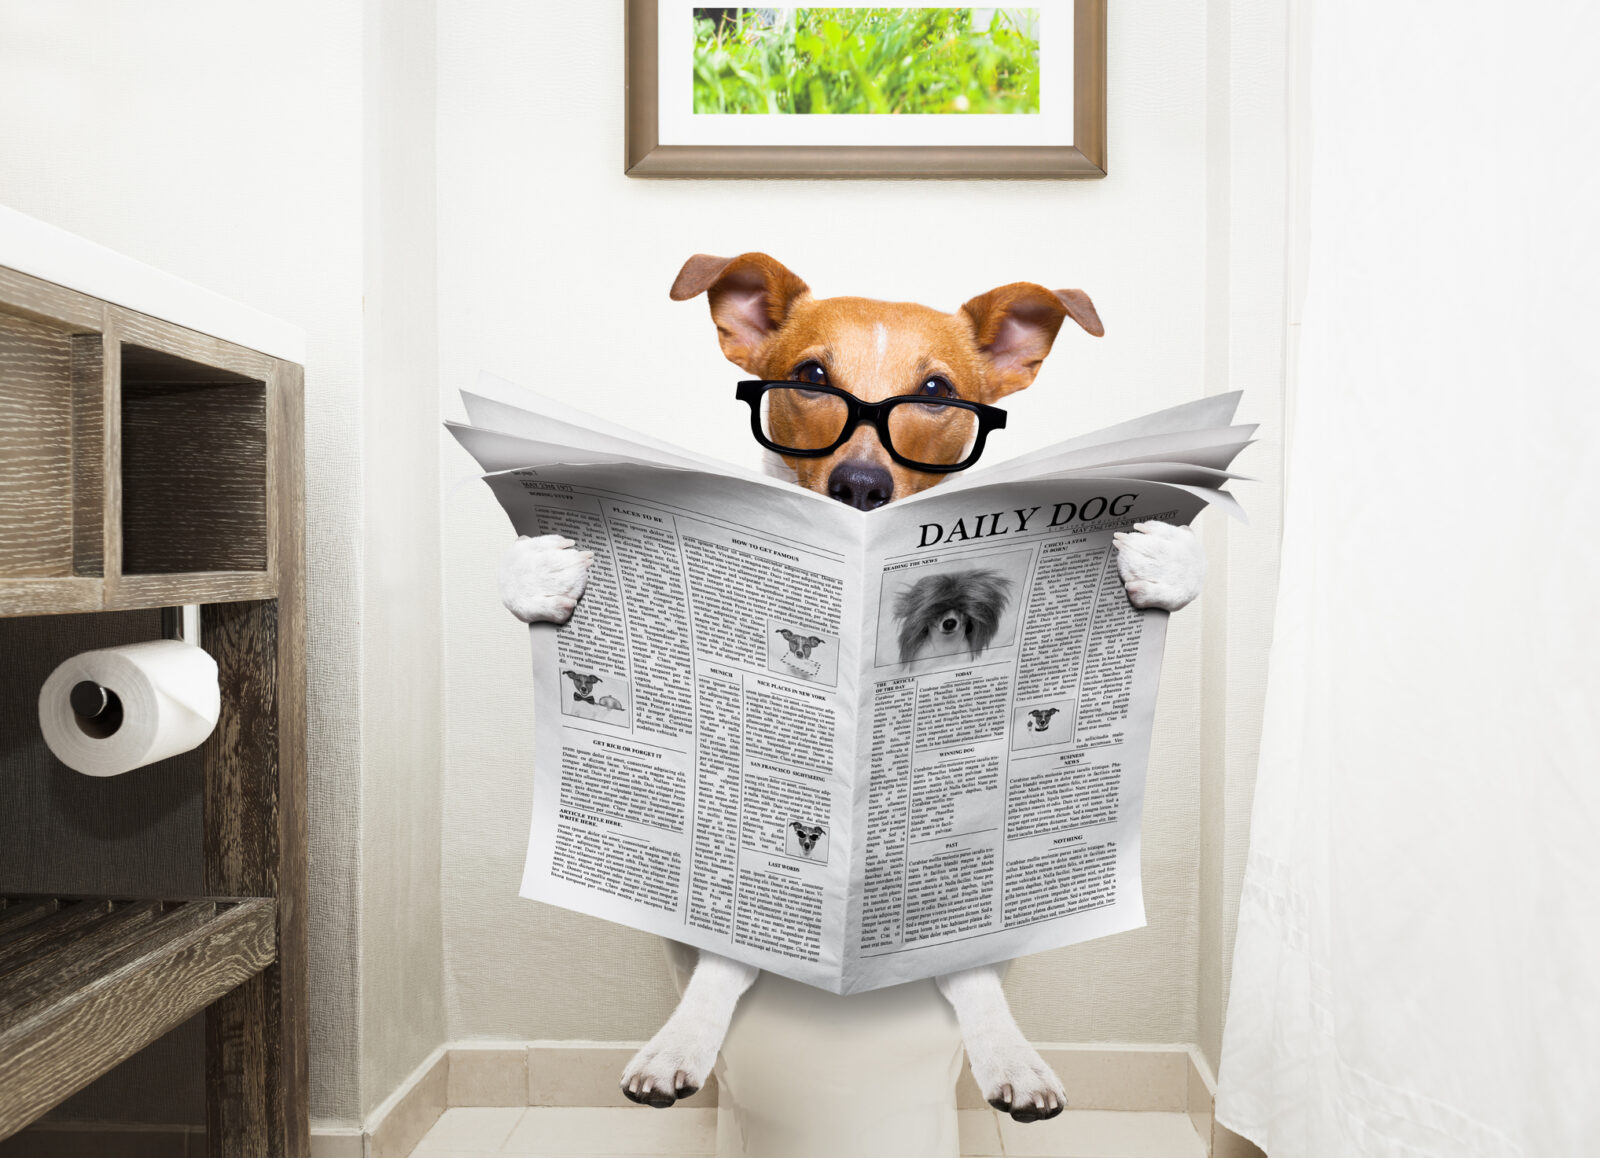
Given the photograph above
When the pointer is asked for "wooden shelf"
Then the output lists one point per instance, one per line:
(147, 463)
(87, 982)
(142, 464)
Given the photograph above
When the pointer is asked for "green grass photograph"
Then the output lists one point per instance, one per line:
(866, 60)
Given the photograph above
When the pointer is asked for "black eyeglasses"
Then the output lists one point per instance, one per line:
(919, 431)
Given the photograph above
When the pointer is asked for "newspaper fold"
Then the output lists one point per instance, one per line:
(854, 749)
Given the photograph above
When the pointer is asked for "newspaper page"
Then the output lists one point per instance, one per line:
(852, 749)
(695, 718)
(1008, 690)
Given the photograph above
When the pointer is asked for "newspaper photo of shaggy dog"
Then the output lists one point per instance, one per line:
(950, 613)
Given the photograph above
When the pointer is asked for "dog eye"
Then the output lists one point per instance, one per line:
(812, 372)
(937, 387)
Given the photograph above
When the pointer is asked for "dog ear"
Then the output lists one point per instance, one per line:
(1015, 326)
(750, 297)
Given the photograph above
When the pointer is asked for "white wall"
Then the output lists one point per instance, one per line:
(228, 143)
(402, 963)
(554, 270)
(1248, 230)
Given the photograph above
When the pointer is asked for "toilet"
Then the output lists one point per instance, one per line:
(804, 1072)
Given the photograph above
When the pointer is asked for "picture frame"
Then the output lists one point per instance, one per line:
(662, 140)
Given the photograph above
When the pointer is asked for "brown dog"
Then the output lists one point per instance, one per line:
(769, 324)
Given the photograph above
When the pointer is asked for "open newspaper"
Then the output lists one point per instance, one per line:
(750, 738)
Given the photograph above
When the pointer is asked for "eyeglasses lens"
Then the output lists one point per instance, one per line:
(802, 419)
(931, 433)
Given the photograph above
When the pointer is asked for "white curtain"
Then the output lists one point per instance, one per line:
(1417, 969)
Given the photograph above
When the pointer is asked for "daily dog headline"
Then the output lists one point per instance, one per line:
(1062, 514)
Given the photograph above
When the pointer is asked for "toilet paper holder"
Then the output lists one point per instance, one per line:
(98, 708)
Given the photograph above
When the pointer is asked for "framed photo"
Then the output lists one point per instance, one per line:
(856, 90)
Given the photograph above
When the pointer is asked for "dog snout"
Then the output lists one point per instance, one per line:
(862, 485)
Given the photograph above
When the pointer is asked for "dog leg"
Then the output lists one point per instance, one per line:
(1009, 1071)
(1162, 566)
(542, 578)
(679, 1057)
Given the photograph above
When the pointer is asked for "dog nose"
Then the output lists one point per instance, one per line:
(862, 485)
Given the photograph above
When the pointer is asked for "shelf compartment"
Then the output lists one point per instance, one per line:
(194, 466)
(51, 449)
(86, 982)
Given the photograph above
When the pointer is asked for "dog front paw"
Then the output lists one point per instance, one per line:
(668, 1070)
(1016, 1080)
(1162, 566)
(542, 578)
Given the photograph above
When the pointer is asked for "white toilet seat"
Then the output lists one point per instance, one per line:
(807, 1074)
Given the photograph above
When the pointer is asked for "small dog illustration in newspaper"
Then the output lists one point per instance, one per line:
(800, 645)
(806, 837)
(771, 325)
(802, 652)
(585, 703)
(584, 685)
(950, 614)
(1039, 719)
(1043, 725)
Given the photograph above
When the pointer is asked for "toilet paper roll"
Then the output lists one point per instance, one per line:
(168, 698)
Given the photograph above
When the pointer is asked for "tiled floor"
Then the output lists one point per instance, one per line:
(686, 1133)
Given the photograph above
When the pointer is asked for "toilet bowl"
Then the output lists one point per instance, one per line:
(805, 1073)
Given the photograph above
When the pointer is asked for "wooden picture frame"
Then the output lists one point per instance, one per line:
(1083, 157)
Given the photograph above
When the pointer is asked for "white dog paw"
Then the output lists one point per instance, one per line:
(1016, 1080)
(1162, 566)
(672, 1067)
(542, 578)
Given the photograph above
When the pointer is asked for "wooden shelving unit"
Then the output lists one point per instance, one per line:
(144, 464)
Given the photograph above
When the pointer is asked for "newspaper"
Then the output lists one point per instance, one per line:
(746, 741)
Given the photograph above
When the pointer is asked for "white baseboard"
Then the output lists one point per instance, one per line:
(1162, 1078)
(1220, 1141)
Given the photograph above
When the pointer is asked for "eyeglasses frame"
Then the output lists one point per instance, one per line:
(877, 413)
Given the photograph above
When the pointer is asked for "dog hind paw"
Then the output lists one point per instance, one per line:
(542, 578)
(1162, 566)
(1015, 1080)
(661, 1076)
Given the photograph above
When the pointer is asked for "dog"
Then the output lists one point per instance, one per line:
(584, 685)
(800, 645)
(584, 691)
(807, 835)
(949, 614)
(770, 324)
(1040, 721)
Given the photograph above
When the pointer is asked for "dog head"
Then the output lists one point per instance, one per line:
(1041, 719)
(771, 326)
(961, 608)
(584, 683)
(799, 645)
(806, 834)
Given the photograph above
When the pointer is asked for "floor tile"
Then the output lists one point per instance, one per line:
(562, 1130)
(1103, 1134)
(471, 1128)
(980, 1133)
